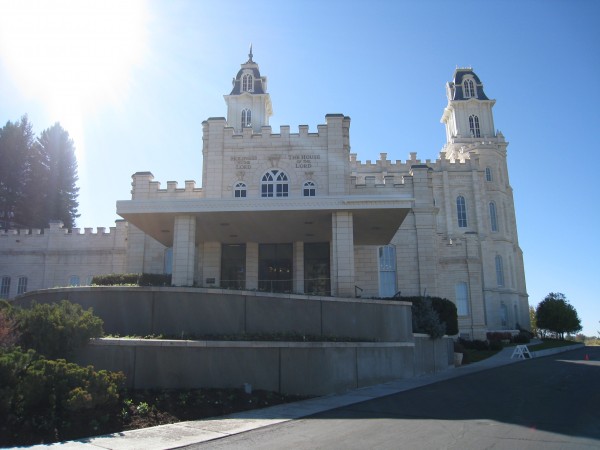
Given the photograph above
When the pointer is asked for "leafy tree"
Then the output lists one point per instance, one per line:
(556, 315)
(533, 320)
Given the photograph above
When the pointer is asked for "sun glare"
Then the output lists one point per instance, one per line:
(73, 55)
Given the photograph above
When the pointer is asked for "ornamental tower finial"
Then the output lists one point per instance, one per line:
(250, 54)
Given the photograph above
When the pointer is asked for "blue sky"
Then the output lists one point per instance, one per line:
(133, 81)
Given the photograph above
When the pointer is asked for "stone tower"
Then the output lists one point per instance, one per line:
(248, 104)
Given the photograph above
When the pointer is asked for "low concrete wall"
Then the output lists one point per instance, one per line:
(196, 312)
(307, 368)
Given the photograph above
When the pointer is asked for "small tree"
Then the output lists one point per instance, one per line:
(556, 315)
(533, 321)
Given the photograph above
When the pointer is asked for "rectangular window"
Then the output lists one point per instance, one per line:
(387, 271)
(233, 266)
(22, 286)
(462, 299)
(499, 271)
(5, 287)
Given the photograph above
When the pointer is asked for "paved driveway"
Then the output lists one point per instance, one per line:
(549, 403)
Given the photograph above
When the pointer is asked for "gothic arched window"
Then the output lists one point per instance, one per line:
(246, 118)
(309, 189)
(499, 271)
(461, 211)
(239, 190)
(488, 174)
(247, 83)
(493, 217)
(474, 126)
(274, 183)
(469, 88)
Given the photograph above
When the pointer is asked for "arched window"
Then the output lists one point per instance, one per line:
(469, 88)
(387, 271)
(247, 83)
(309, 189)
(474, 126)
(74, 280)
(274, 183)
(239, 190)
(461, 211)
(22, 285)
(5, 287)
(246, 118)
(493, 217)
(488, 174)
(499, 271)
(462, 298)
(503, 314)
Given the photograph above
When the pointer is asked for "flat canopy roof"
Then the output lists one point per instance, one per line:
(269, 220)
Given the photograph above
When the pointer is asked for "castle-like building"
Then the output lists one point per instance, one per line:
(297, 212)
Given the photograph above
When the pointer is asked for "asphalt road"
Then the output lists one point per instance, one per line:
(549, 403)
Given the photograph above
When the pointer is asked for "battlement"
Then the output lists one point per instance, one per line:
(57, 228)
(338, 124)
(144, 186)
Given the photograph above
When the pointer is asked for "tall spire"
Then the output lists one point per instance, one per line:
(250, 54)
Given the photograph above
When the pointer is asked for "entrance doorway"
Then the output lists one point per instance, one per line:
(233, 266)
(275, 272)
(316, 268)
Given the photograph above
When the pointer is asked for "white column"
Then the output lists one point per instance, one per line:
(342, 267)
(184, 250)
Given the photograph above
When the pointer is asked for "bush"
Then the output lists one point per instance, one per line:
(425, 319)
(57, 330)
(475, 344)
(9, 335)
(499, 336)
(43, 400)
(496, 345)
(132, 279)
(521, 338)
(444, 309)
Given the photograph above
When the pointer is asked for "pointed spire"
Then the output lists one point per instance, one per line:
(250, 54)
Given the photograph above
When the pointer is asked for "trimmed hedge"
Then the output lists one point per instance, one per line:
(132, 279)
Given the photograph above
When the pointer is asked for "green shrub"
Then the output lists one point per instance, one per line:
(496, 345)
(521, 338)
(444, 309)
(448, 314)
(42, 399)
(425, 319)
(132, 279)
(57, 330)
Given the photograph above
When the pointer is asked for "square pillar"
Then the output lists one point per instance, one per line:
(298, 266)
(184, 250)
(251, 265)
(342, 261)
(212, 264)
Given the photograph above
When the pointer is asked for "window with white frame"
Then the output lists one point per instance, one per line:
(503, 314)
(22, 285)
(474, 126)
(493, 217)
(5, 287)
(274, 183)
(309, 189)
(387, 271)
(247, 83)
(461, 291)
(488, 174)
(469, 88)
(239, 190)
(246, 118)
(74, 280)
(461, 211)
(499, 271)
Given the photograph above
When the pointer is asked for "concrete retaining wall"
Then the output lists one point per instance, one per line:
(289, 367)
(308, 368)
(196, 312)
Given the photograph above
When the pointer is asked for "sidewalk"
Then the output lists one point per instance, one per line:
(197, 431)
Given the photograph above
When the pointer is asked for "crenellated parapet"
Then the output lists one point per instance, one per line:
(144, 187)
(57, 229)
